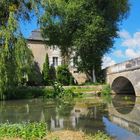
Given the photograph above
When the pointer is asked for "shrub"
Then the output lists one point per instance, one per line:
(60, 92)
(58, 89)
(25, 130)
(106, 90)
(52, 74)
(63, 75)
(23, 93)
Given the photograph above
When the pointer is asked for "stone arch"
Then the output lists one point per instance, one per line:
(122, 85)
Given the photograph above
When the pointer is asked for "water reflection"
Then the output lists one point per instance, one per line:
(124, 104)
(124, 111)
(79, 115)
(121, 114)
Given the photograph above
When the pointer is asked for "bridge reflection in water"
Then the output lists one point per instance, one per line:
(124, 111)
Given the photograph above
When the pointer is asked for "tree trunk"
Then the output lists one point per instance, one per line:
(93, 76)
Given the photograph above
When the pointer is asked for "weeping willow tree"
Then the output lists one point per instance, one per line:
(24, 61)
(16, 59)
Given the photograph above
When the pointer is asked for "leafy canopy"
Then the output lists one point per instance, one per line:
(87, 27)
(16, 60)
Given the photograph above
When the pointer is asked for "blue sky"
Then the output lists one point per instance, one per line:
(126, 47)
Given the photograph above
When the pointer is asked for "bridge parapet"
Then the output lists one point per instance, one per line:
(125, 66)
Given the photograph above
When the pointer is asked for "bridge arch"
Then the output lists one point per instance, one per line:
(122, 85)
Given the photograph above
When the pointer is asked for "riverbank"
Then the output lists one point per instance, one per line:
(51, 91)
(39, 130)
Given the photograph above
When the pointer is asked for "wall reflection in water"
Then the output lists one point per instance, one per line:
(83, 115)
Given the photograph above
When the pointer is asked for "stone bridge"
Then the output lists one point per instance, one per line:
(125, 77)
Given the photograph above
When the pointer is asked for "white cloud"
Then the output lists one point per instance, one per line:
(118, 53)
(130, 53)
(130, 41)
(132, 44)
(124, 34)
(137, 38)
(130, 48)
(107, 61)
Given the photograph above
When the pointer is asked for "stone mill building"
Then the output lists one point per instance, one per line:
(39, 49)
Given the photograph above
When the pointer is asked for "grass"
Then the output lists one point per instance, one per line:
(75, 135)
(82, 90)
(87, 89)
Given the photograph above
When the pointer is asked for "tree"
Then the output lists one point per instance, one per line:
(16, 59)
(8, 75)
(87, 26)
(52, 74)
(22, 8)
(59, 26)
(24, 61)
(45, 71)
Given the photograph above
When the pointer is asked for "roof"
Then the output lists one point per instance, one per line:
(36, 36)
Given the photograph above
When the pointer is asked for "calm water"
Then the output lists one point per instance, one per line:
(120, 117)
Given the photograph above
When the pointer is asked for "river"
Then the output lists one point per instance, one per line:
(119, 116)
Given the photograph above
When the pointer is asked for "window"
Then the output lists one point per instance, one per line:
(55, 61)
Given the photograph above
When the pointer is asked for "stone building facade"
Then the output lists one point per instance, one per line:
(39, 49)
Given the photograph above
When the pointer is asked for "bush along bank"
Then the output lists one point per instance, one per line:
(39, 131)
(26, 131)
(55, 91)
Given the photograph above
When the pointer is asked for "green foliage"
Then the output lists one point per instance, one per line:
(49, 93)
(58, 89)
(8, 75)
(21, 8)
(16, 58)
(98, 136)
(63, 75)
(45, 71)
(25, 131)
(24, 93)
(52, 74)
(106, 90)
(35, 77)
(87, 26)
(24, 61)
